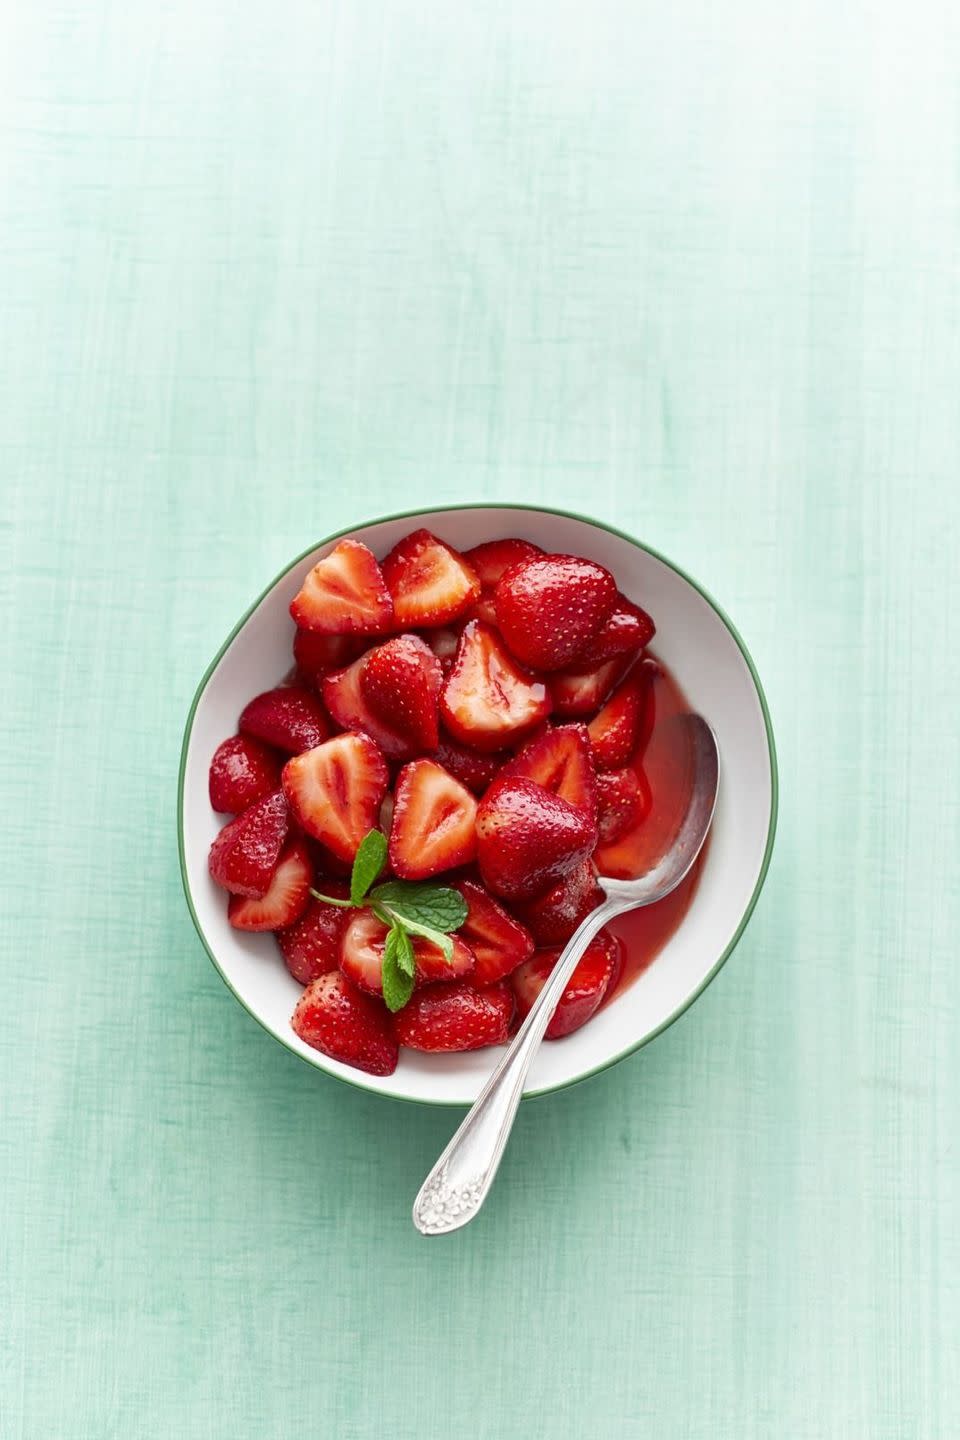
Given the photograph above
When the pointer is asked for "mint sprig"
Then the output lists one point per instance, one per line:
(407, 909)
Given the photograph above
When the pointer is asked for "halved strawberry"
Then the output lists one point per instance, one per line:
(626, 632)
(311, 946)
(430, 582)
(488, 700)
(575, 694)
(443, 642)
(317, 654)
(362, 941)
(585, 989)
(434, 820)
(335, 790)
(559, 759)
(616, 729)
(245, 853)
(625, 801)
(455, 1017)
(338, 1019)
(345, 701)
(550, 608)
(499, 942)
(470, 767)
(528, 839)
(242, 772)
(553, 917)
(490, 561)
(289, 717)
(400, 682)
(286, 896)
(344, 594)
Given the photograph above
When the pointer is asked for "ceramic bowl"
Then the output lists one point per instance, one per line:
(702, 648)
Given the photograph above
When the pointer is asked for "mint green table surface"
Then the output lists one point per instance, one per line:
(267, 268)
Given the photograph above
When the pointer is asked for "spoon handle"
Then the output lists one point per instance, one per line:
(458, 1184)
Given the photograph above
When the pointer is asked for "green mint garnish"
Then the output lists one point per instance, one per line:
(406, 908)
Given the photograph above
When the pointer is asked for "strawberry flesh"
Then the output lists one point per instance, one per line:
(550, 608)
(559, 759)
(499, 942)
(344, 594)
(614, 732)
(244, 855)
(242, 771)
(585, 989)
(626, 632)
(430, 582)
(455, 1017)
(335, 791)
(471, 767)
(286, 897)
(362, 942)
(289, 717)
(311, 946)
(575, 694)
(336, 1018)
(528, 839)
(434, 822)
(624, 802)
(400, 682)
(488, 700)
(553, 917)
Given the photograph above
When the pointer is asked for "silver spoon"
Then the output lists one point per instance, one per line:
(459, 1183)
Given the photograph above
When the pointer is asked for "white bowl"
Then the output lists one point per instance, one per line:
(712, 666)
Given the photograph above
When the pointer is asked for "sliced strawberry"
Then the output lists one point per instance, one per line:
(311, 947)
(626, 632)
(553, 917)
(455, 1017)
(242, 772)
(575, 695)
(344, 594)
(490, 561)
(559, 759)
(443, 643)
(470, 767)
(290, 717)
(361, 955)
(286, 897)
(400, 682)
(338, 1019)
(317, 654)
(625, 801)
(244, 855)
(528, 839)
(550, 608)
(499, 942)
(345, 701)
(434, 822)
(615, 730)
(430, 582)
(335, 791)
(585, 989)
(488, 700)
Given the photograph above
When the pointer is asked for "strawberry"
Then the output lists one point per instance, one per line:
(455, 1017)
(344, 594)
(361, 955)
(488, 699)
(338, 1019)
(528, 839)
(242, 772)
(553, 917)
(550, 608)
(625, 632)
(625, 801)
(286, 897)
(400, 682)
(574, 694)
(345, 701)
(443, 643)
(430, 582)
(470, 767)
(499, 942)
(490, 561)
(316, 654)
(335, 790)
(289, 717)
(311, 946)
(245, 853)
(434, 820)
(585, 989)
(559, 759)
(615, 730)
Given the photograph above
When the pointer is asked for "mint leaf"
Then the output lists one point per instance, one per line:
(367, 864)
(406, 960)
(397, 984)
(434, 907)
(403, 922)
